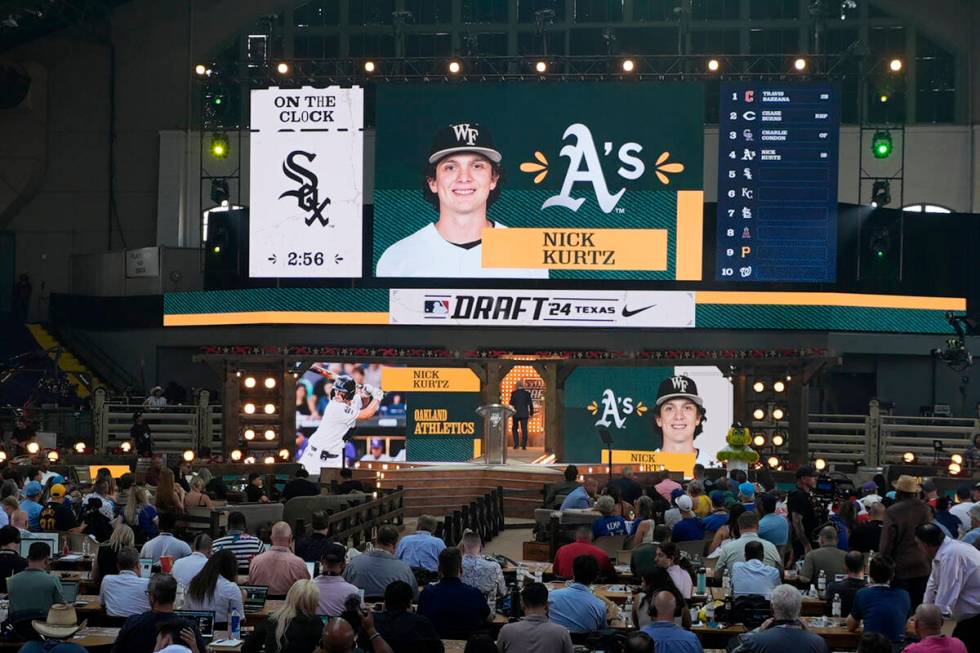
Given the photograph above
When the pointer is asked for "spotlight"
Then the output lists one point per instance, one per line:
(249, 408)
(189, 455)
(954, 469)
(80, 447)
(758, 386)
(908, 457)
(220, 145)
(369, 66)
(220, 192)
(773, 462)
(628, 65)
(799, 64)
(270, 434)
(541, 66)
(778, 386)
(126, 447)
(3, 456)
(282, 68)
(881, 194)
(268, 460)
(895, 65)
(778, 413)
(789, 378)
(236, 455)
(269, 409)
(758, 414)
(249, 434)
(455, 67)
(216, 249)
(820, 464)
(238, 374)
(713, 65)
(270, 382)
(881, 144)
(250, 460)
(200, 70)
(33, 448)
(778, 439)
(957, 458)
(883, 98)
(53, 456)
(759, 440)
(250, 382)
(284, 454)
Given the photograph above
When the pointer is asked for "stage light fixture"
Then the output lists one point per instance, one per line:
(250, 460)
(126, 447)
(282, 68)
(369, 66)
(238, 373)
(759, 386)
(53, 456)
(220, 146)
(249, 408)
(714, 65)
(955, 468)
(200, 70)
(269, 409)
(773, 462)
(883, 98)
(778, 439)
(820, 464)
(882, 144)
(541, 66)
(269, 382)
(33, 448)
(284, 454)
(895, 65)
(881, 195)
(778, 413)
(249, 434)
(957, 458)
(779, 386)
(628, 66)
(250, 382)
(79, 447)
(789, 378)
(759, 414)
(236, 455)
(3, 456)
(220, 192)
(189, 455)
(269, 460)
(799, 64)
(908, 457)
(759, 440)
(455, 67)
(269, 434)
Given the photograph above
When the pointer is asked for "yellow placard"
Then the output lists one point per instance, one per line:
(115, 470)
(576, 249)
(674, 462)
(429, 379)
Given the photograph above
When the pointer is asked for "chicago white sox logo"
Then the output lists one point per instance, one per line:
(466, 133)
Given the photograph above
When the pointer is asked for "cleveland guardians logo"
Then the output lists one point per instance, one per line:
(308, 194)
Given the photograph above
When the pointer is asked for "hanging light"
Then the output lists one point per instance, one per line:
(282, 68)
(189, 455)
(628, 65)
(714, 65)
(236, 455)
(200, 70)
(895, 65)
(250, 460)
(3, 456)
(270, 382)
(369, 66)
(541, 67)
(799, 64)
(455, 67)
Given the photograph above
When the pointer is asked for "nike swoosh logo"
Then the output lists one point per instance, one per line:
(628, 313)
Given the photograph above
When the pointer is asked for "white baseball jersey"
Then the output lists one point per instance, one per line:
(326, 446)
(427, 254)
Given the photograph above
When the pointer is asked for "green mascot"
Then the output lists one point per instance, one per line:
(738, 454)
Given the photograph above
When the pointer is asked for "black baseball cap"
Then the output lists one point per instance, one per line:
(464, 137)
(333, 553)
(807, 470)
(678, 387)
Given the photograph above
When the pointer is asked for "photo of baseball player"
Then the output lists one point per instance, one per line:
(679, 414)
(463, 178)
(325, 447)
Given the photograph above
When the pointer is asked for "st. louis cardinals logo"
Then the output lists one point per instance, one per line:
(308, 194)
(614, 410)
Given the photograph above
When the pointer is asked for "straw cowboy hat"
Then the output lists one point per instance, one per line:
(62, 622)
(906, 483)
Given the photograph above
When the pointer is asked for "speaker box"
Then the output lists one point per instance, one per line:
(226, 250)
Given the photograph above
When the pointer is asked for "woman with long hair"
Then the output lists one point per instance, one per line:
(642, 526)
(215, 588)
(293, 628)
(105, 558)
(680, 569)
(169, 495)
(139, 514)
(727, 531)
(654, 581)
(197, 498)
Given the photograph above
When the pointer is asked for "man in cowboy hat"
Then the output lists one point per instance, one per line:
(156, 398)
(898, 537)
(61, 624)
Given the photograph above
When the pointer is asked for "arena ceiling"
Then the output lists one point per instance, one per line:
(22, 21)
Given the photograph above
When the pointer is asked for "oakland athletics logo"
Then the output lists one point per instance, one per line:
(308, 194)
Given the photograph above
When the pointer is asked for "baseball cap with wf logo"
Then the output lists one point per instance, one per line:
(678, 387)
(464, 137)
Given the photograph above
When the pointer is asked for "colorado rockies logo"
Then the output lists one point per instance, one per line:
(308, 194)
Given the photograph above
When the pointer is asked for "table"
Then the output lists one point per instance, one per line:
(95, 637)
(811, 607)
(835, 633)
(88, 605)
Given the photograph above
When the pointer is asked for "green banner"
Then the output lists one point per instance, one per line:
(620, 399)
(576, 155)
(441, 426)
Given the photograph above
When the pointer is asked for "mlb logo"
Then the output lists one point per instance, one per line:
(749, 96)
(437, 307)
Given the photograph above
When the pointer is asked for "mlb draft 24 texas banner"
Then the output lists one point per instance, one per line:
(306, 179)
(600, 181)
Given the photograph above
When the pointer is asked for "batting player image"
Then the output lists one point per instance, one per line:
(462, 180)
(679, 414)
(325, 448)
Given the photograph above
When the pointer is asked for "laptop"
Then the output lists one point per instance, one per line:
(255, 597)
(51, 538)
(69, 589)
(202, 619)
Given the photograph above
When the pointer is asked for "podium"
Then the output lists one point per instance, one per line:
(495, 432)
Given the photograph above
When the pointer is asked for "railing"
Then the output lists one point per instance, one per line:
(101, 364)
(841, 438)
(173, 428)
(484, 516)
(68, 425)
(359, 524)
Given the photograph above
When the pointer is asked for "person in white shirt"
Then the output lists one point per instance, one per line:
(325, 447)
(215, 588)
(954, 583)
(156, 398)
(165, 543)
(124, 594)
(962, 509)
(185, 569)
(462, 182)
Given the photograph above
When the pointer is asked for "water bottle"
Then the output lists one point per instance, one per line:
(521, 573)
(179, 601)
(235, 625)
(726, 583)
(538, 575)
(835, 606)
(492, 601)
(628, 609)
(821, 582)
(710, 611)
(702, 581)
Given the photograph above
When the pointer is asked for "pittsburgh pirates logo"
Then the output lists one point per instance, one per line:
(465, 133)
(308, 194)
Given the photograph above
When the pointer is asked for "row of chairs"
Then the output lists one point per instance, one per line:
(484, 516)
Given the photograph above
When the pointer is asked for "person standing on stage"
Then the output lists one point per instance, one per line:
(141, 435)
(520, 401)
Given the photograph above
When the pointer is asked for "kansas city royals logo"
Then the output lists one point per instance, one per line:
(465, 133)
(614, 410)
(308, 194)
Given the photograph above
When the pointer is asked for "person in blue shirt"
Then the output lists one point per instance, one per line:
(30, 505)
(753, 576)
(719, 513)
(746, 496)
(881, 608)
(575, 607)
(581, 497)
(690, 527)
(667, 636)
(422, 548)
(456, 610)
(772, 527)
(608, 524)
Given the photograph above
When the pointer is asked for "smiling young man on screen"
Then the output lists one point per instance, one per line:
(462, 180)
(679, 414)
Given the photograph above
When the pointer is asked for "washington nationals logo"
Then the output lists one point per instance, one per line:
(308, 194)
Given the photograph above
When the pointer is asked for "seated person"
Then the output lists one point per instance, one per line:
(302, 486)
(753, 576)
(422, 548)
(784, 632)
(644, 557)
(125, 594)
(534, 632)
(608, 524)
(667, 636)
(690, 528)
(826, 558)
(575, 607)
(398, 624)
(455, 609)
(881, 608)
(581, 497)
(349, 485)
(848, 587)
(566, 555)
(562, 489)
(254, 492)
